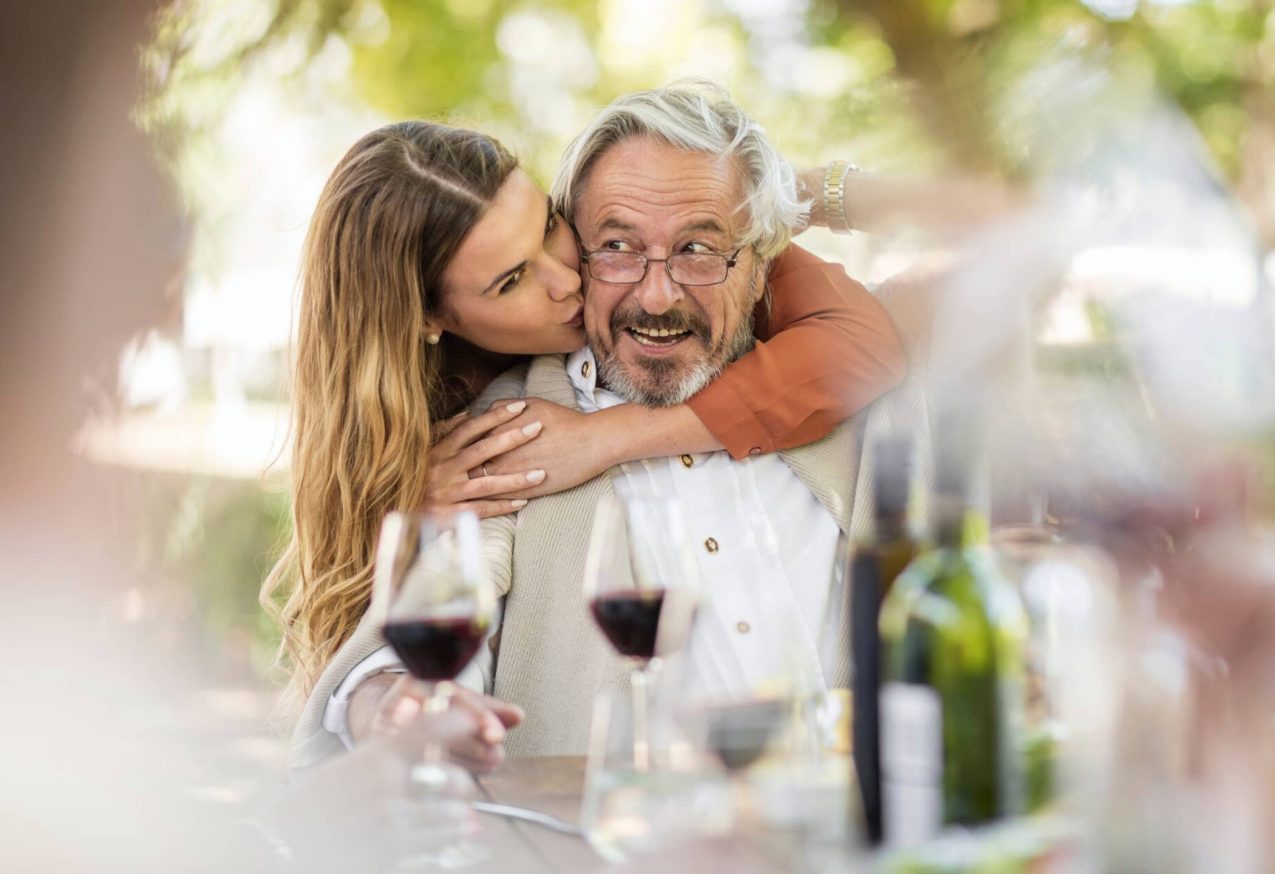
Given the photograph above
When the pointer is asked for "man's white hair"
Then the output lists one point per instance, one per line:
(698, 116)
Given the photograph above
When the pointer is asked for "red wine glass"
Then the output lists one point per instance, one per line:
(641, 585)
(435, 607)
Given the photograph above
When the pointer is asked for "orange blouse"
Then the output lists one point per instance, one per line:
(825, 350)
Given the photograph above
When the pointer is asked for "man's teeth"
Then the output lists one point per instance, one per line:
(658, 332)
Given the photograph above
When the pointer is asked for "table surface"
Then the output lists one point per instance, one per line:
(555, 786)
(549, 785)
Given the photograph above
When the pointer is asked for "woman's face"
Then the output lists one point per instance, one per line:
(514, 285)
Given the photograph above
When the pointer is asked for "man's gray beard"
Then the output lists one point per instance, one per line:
(657, 371)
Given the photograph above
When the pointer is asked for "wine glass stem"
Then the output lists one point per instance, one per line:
(437, 700)
(640, 684)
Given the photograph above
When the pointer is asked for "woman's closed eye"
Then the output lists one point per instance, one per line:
(551, 224)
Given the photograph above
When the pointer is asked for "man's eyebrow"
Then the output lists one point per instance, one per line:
(707, 224)
(613, 223)
(503, 276)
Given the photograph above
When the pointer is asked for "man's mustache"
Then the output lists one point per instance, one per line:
(674, 320)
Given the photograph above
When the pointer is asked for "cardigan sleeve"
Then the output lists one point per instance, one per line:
(825, 350)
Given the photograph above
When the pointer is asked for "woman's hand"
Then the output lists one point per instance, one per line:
(472, 729)
(461, 473)
(573, 448)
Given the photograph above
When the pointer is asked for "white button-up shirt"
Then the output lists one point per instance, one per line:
(765, 547)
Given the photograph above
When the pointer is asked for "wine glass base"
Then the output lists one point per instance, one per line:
(441, 779)
(433, 823)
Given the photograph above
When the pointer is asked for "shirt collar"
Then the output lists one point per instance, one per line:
(582, 370)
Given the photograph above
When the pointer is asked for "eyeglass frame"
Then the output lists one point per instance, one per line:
(730, 261)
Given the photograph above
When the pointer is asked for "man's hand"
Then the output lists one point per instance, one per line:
(472, 730)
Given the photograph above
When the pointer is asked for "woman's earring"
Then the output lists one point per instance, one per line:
(433, 337)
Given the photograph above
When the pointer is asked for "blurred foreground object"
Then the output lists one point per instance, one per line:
(99, 770)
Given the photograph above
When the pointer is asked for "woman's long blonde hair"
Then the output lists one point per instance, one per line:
(366, 382)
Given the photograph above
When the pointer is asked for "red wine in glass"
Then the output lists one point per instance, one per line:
(630, 620)
(436, 648)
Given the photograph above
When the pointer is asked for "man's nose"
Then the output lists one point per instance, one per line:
(657, 293)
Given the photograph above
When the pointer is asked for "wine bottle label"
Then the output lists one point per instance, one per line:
(911, 763)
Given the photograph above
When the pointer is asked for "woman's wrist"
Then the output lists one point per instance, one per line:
(826, 189)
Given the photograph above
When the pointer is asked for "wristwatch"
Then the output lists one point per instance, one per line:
(834, 196)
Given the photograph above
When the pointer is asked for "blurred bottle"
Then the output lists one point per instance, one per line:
(953, 635)
(875, 565)
(1120, 684)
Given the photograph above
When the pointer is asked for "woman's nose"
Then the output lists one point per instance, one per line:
(560, 280)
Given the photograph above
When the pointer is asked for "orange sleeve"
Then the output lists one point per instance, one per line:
(826, 350)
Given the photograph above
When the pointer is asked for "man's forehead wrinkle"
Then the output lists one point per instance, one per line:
(657, 189)
(627, 208)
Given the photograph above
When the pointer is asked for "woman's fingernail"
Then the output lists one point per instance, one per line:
(532, 430)
(518, 503)
(516, 406)
(535, 476)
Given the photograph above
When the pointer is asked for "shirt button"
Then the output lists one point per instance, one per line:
(687, 461)
(711, 545)
(584, 370)
(756, 450)
(743, 627)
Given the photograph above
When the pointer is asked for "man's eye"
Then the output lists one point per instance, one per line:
(697, 249)
(512, 282)
(617, 246)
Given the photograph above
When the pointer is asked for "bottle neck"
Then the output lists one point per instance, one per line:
(892, 484)
(958, 524)
(892, 525)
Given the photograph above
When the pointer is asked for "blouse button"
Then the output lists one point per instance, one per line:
(711, 545)
(584, 370)
(742, 627)
(756, 450)
(687, 461)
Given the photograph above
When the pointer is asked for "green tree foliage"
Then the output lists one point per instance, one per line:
(903, 80)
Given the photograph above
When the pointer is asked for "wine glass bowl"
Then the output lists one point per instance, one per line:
(630, 620)
(739, 733)
(640, 580)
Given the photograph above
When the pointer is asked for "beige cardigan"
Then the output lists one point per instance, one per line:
(552, 660)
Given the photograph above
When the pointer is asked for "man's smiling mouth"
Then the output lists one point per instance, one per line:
(657, 336)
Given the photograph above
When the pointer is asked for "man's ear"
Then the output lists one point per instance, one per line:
(760, 285)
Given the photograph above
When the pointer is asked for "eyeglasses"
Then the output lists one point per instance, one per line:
(684, 268)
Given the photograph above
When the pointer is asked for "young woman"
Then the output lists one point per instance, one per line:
(402, 323)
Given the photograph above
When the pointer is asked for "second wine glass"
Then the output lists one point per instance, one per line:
(641, 584)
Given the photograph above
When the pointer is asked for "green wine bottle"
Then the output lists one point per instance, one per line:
(953, 636)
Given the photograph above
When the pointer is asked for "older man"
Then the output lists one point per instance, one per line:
(680, 204)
